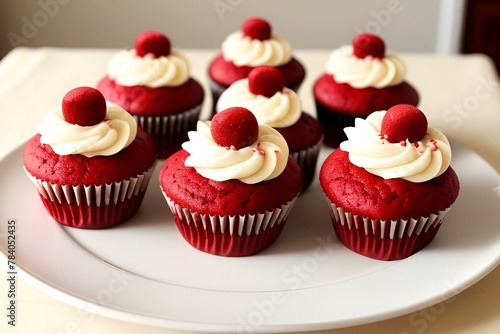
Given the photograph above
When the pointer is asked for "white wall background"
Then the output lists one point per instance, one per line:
(406, 25)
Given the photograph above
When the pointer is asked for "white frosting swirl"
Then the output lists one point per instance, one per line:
(245, 51)
(264, 160)
(281, 110)
(109, 137)
(128, 69)
(366, 72)
(415, 162)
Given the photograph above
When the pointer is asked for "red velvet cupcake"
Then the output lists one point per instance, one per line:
(153, 83)
(254, 45)
(390, 184)
(90, 162)
(265, 95)
(232, 186)
(360, 78)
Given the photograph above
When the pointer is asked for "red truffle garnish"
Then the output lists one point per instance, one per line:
(234, 127)
(402, 122)
(84, 106)
(265, 80)
(256, 28)
(366, 44)
(152, 42)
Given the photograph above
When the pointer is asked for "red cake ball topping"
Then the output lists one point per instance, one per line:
(265, 80)
(366, 44)
(84, 106)
(402, 122)
(234, 127)
(152, 42)
(256, 28)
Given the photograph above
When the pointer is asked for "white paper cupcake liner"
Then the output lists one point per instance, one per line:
(307, 156)
(250, 224)
(333, 124)
(103, 194)
(216, 90)
(387, 228)
(169, 131)
(307, 159)
(215, 87)
(172, 124)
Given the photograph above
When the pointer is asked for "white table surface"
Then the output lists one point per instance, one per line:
(459, 94)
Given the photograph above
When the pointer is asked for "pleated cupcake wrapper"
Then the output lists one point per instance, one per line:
(296, 87)
(90, 195)
(308, 155)
(230, 236)
(168, 124)
(333, 124)
(396, 228)
(384, 239)
(169, 131)
(307, 159)
(250, 224)
(216, 90)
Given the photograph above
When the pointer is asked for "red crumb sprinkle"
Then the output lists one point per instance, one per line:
(276, 151)
(402, 143)
(383, 136)
(416, 144)
(433, 145)
(259, 150)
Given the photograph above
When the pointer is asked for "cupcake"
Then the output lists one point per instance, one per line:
(254, 45)
(232, 186)
(264, 93)
(359, 79)
(90, 162)
(390, 185)
(153, 83)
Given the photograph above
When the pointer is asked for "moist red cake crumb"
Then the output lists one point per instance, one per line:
(235, 127)
(143, 100)
(306, 132)
(152, 42)
(366, 44)
(43, 163)
(362, 193)
(402, 122)
(232, 197)
(266, 81)
(225, 72)
(84, 106)
(256, 28)
(361, 102)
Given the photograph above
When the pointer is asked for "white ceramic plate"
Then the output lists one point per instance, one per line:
(144, 272)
